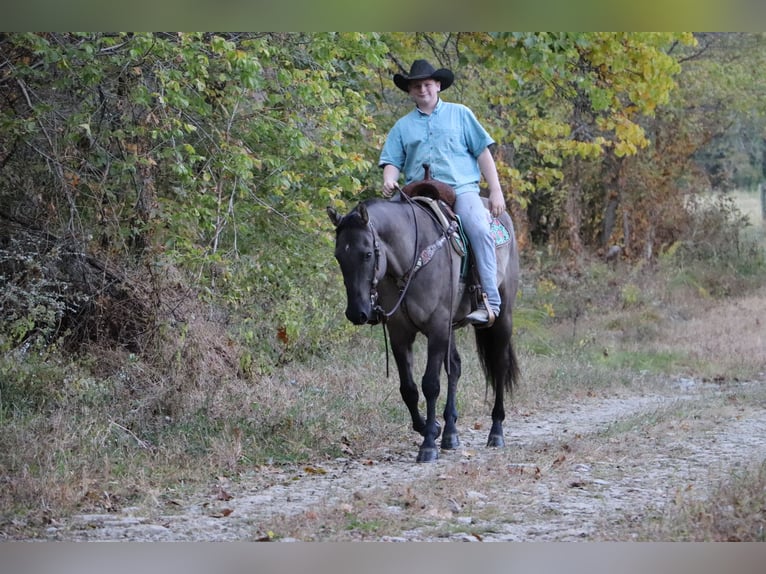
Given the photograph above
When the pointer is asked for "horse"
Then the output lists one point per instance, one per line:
(399, 268)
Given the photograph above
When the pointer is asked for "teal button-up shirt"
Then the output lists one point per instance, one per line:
(449, 140)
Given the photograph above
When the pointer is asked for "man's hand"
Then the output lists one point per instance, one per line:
(390, 180)
(389, 187)
(496, 202)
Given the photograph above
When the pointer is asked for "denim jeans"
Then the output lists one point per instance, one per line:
(476, 220)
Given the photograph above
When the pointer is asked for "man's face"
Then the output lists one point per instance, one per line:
(424, 93)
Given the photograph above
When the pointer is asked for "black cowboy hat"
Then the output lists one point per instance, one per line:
(422, 70)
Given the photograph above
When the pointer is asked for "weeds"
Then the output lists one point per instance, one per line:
(734, 511)
(111, 427)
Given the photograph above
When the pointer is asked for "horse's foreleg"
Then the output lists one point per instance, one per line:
(407, 386)
(450, 438)
(428, 451)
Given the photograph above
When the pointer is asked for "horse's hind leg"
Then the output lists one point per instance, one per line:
(498, 416)
(450, 438)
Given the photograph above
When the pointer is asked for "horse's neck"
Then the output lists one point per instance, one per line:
(396, 230)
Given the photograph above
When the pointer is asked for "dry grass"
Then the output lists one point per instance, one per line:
(727, 338)
(734, 511)
(125, 430)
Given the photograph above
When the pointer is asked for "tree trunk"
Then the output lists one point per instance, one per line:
(574, 210)
(613, 196)
(762, 187)
(626, 233)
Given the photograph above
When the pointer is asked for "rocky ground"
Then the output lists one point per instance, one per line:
(597, 469)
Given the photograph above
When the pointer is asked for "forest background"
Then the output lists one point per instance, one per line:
(163, 234)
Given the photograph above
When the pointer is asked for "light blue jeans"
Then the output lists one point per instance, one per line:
(476, 220)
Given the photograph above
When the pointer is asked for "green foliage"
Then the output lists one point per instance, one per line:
(642, 361)
(33, 302)
(211, 157)
(189, 173)
(179, 149)
(28, 384)
(630, 295)
(567, 95)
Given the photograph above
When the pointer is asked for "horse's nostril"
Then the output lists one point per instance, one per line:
(357, 318)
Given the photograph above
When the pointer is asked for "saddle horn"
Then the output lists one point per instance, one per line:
(428, 187)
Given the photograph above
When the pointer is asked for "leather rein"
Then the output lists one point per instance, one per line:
(381, 315)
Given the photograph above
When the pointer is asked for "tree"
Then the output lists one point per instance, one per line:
(160, 150)
(560, 104)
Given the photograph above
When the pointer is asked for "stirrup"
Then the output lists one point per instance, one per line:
(477, 317)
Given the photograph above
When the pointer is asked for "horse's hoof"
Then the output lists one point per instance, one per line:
(429, 454)
(450, 441)
(496, 440)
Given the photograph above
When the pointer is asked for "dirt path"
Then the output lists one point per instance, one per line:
(586, 471)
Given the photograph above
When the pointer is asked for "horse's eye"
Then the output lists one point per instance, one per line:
(368, 256)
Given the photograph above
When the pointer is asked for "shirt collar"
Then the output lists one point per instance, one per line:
(436, 108)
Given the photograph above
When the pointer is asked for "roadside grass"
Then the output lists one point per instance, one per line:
(117, 430)
(733, 511)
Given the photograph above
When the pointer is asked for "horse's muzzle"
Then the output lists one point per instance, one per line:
(359, 317)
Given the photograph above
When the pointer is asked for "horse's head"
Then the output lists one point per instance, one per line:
(358, 254)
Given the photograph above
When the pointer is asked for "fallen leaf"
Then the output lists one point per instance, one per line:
(223, 495)
(222, 513)
(314, 470)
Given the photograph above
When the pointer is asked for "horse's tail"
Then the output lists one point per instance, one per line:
(497, 355)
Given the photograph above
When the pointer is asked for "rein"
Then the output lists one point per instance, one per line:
(381, 313)
(373, 291)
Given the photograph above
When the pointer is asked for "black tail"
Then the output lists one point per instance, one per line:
(497, 355)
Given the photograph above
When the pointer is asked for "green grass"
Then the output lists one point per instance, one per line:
(655, 362)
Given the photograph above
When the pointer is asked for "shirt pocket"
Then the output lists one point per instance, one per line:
(449, 139)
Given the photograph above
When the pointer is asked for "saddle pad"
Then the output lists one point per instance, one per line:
(499, 233)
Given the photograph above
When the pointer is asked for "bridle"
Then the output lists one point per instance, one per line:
(380, 314)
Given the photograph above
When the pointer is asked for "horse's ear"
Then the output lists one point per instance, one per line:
(363, 213)
(334, 216)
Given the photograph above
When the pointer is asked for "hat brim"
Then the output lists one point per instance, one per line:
(444, 76)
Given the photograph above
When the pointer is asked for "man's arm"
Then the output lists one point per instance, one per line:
(390, 179)
(489, 171)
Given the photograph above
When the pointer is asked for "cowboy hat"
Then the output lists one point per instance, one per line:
(422, 70)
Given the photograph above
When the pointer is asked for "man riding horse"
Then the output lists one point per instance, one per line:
(448, 139)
